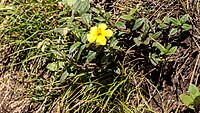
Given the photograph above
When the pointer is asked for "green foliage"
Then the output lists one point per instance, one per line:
(74, 47)
(138, 23)
(86, 18)
(91, 56)
(174, 24)
(163, 26)
(193, 99)
(175, 21)
(55, 66)
(147, 37)
(78, 76)
(130, 15)
(166, 20)
(120, 25)
(184, 18)
(193, 91)
(187, 100)
(186, 27)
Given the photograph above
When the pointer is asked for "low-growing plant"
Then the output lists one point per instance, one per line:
(77, 59)
(192, 100)
(175, 25)
(150, 36)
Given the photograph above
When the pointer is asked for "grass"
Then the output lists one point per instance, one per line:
(40, 52)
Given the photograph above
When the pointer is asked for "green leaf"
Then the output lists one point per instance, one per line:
(91, 56)
(133, 10)
(187, 100)
(113, 42)
(61, 65)
(138, 23)
(74, 47)
(84, 38)
(104, 59)
(193, 91)
(55, 66)
(86, 18)
(99, 18)
(80, 51)
(147, 41)
(197, 104)
(156, 35)
(107, 15)
(120, 25)
(85, 6)
(175, 21)
(166, 19)
(168, 46)
(81, 6)
(64, 76)
(159, 21)
(52, 66)
(154, 62)
(153, 58)
(137, 40)
(173, 31)
(159, 46)
(56, 53)
(95, 10)
(186, 27)
(126, 17)
(163, 26)
(69, 2)
(145, 27)
(172, 50)
(77, 5)
(184, 18)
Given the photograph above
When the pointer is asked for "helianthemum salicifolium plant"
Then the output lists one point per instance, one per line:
(82, 68)
(99, 34)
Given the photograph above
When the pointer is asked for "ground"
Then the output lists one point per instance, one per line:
(169, 79)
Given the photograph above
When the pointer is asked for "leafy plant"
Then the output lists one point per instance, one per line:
(174, 24)
(79, 57)
(192, 100)
(181, 23)
(164, 23)
(148, 38)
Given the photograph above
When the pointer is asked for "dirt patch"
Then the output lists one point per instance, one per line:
(12, 99)
(176, 76)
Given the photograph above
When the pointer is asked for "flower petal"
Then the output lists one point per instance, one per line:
(91, 38)
(101, 40)
(102, 26)
(108, 33)
(93, 30)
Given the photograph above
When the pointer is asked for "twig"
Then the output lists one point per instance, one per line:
(196, 36)
(198, 57)
(196, 41)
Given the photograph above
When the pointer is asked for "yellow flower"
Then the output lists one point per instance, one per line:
(99, 34)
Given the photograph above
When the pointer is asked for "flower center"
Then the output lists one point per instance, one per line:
(98, 31)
